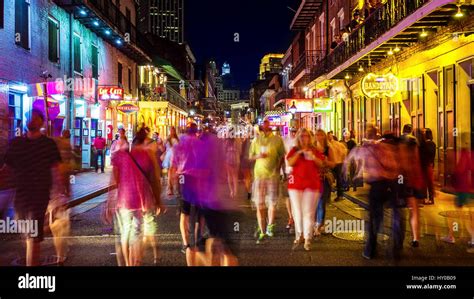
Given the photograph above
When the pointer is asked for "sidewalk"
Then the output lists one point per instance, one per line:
(433, 218)
(84, 186)
(88, 185)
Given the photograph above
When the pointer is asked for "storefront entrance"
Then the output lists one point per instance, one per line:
(446, 126)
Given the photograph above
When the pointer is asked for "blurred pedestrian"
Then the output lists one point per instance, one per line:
(381, 168)
(137, 200)
(166, 158)
(427, 156)
(33, 159)
(184, 171)
(411, 179)
(233, 148)
(119, 144)
(340, 153)
(289, 142)
(218, 212)
(59, 220)
(327, 179)
(268, 152)
(348, 140)
(246, 165)
(464, 189)
(304, 186)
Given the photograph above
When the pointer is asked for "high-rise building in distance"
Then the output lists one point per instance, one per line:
(163, 18)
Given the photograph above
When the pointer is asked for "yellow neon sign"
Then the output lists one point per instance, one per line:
(374, 85)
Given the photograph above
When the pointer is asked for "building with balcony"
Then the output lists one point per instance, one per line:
(270, 64)
(67, 50)
(103, 44)
(404, 62)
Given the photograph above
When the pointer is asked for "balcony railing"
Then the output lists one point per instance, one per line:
(378, 23)
(306, 62)
(114, 16)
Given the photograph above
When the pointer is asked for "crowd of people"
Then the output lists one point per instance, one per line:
(202, 172)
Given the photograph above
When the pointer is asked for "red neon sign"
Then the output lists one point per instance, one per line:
(110, 93)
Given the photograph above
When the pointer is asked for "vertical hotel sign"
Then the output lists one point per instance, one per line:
(374, 85)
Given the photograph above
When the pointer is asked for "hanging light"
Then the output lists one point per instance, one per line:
(293, 108)
(397, 49)
(361, 69)
(459, 13)
(347, 77)
(423, 33)
(390, 52)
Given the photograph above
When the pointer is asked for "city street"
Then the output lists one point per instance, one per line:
(92, 242)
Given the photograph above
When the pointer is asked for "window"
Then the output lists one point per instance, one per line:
(119, 73)
(1, 13)
(340, 15)
(333, 29)
(77, 53)
(53, 33)
(129, 20)
(22, 23)
(95, 61)
(14, 115)
(129, 80)
(321, 28)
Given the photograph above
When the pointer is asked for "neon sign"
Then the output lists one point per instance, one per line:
(110, 93)
(127, 108)
(380, 85)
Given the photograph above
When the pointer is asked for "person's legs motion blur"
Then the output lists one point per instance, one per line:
(375, 218)
(308, 208)
(296, 197)
(414, 220)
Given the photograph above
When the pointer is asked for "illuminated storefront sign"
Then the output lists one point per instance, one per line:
(110, 93)
(302, 105)
(128, 108)
(374, 85)
(274, 120)
(322, 105)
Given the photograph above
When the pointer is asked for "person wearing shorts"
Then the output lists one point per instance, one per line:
(32, 159)
(183, 170)
(268, 152)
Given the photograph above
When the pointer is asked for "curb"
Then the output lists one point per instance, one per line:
(77, 201)
(356, 201)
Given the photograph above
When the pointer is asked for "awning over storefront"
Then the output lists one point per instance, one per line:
(168, 67)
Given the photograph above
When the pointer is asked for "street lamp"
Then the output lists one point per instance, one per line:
(293, 108)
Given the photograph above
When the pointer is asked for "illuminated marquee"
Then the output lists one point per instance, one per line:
(110, 93)
(302, 105)
(128, 108)
(380, 85)
(323, 105)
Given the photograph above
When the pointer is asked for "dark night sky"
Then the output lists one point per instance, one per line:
(263, 26)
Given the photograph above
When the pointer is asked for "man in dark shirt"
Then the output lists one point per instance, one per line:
(32, 159)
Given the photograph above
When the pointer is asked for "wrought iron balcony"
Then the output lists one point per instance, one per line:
(105, 19)
(305, 14)
(380, 21)
(306, 62)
